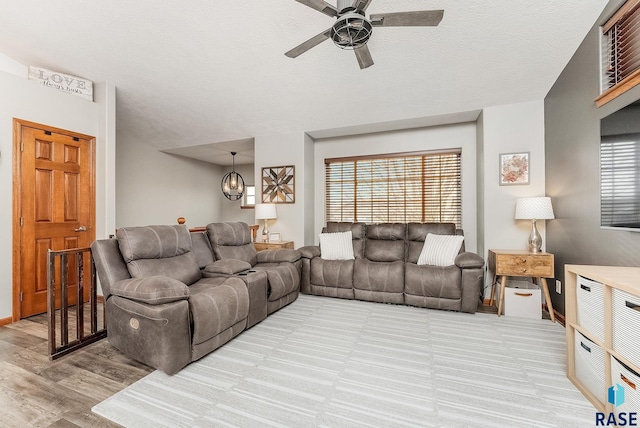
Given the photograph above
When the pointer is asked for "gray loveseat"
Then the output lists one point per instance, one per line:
(168, 299)
(385, 269)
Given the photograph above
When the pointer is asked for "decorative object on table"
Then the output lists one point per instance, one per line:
(274, 237)
(538, 208)
(232, 183)
(278, 184)
(514, 168)
(266, 212)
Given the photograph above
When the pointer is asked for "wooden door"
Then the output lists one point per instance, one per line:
(56, 206)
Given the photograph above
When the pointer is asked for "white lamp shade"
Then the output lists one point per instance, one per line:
(265, 211)
(538, 208)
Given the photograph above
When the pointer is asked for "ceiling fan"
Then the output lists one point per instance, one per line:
(352, 29)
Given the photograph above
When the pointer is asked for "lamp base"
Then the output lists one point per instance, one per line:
(265, 232)
(535, 240)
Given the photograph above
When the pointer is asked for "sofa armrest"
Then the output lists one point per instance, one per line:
(469, 261)
(152, 290)
(310, 251)
(227, 266)
(278, 256)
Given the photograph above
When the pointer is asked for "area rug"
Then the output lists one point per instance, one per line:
(325, 362)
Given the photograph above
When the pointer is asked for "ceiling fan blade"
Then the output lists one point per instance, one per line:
(320, 6)
(312, 42)
(364, 56)
(361, 4)
(421, 18)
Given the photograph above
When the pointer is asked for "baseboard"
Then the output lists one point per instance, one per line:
(5, 321)
(486, 302)
(560, 318)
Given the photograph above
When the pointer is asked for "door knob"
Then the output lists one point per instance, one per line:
(81, 229)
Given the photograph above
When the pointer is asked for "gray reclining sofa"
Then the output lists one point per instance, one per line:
(170, 299)
(385, 269)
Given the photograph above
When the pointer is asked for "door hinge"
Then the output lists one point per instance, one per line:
(22, 147)
(21, 295)
(21, 221)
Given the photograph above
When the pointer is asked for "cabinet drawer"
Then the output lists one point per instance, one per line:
(630, 380)
(590, 310)
(626, 325)
(589, 362)
(525, 265)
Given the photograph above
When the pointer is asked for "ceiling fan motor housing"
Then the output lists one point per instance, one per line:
(351, 30)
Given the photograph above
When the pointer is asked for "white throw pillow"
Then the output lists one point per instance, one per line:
(336, 246)
(440, 250)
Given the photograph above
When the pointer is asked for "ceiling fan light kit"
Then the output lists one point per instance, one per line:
(352, 29)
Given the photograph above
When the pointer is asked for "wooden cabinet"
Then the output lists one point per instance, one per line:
(526, 264)
(273, 245)
(602, 309)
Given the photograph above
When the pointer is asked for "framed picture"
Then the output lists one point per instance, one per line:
(274, 237)
(514, 168)
(278, 184)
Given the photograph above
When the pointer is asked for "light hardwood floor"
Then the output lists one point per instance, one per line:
(36, 392)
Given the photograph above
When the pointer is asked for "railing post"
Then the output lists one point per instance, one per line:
(65, 347)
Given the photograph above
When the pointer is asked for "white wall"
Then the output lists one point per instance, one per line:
(510, 129)
(9, 65)
(25, 99)
(231, 210)
(281, 150)
(458, 136)
(153, 187)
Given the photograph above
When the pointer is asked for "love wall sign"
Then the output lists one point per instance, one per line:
(63, 82)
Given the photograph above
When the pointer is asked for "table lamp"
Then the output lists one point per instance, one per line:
(538, 208)
(265, 212)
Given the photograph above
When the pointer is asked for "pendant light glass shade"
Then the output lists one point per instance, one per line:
(232, 183)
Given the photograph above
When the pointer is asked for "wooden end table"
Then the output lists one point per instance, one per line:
(272, 245)
(527, 264)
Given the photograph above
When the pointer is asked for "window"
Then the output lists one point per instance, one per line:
(620, 181)
(249, 197)
(409, 187)
(620, 52)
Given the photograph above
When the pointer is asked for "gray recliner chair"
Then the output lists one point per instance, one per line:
(159, 309)
(233, 240)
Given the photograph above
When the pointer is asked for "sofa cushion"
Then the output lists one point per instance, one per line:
(385, 242)
(417, 232)
(357, 232)
(381, 277)
(440, 250)
(153, 290)
(232, 240)
(331, 273)
(159, 251)
(217, 304)
(336, 246)
(227, 267)
(283, 280)
(433, 281)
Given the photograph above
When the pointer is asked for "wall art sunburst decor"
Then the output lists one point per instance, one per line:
(278, 184)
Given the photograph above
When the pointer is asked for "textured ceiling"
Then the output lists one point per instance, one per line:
(201, 72)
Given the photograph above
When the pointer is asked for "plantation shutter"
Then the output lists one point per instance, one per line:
(423, 187)
(621, 52)
(620, 181)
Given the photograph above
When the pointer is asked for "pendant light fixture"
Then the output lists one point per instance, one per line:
(232, 183)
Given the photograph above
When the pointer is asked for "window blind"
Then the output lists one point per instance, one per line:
(620, 181)
(403, 188)
(621, 52)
